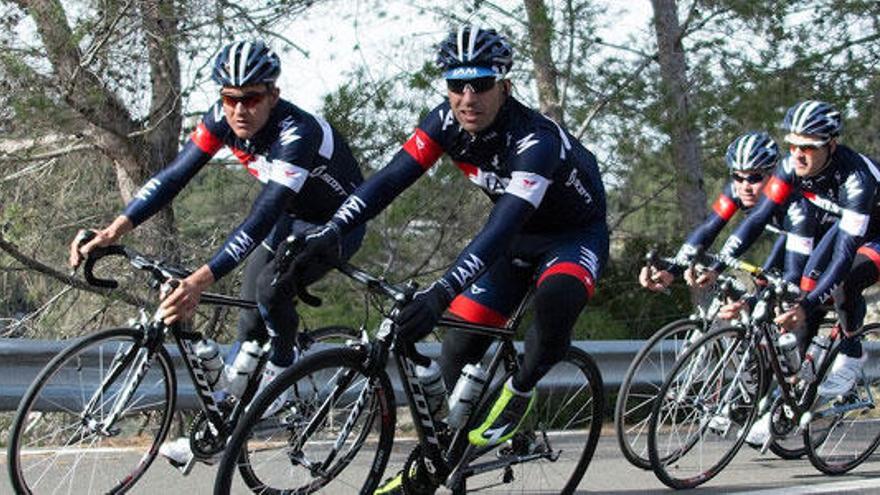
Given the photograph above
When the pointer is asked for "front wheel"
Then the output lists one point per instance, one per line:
(337, 413)
(704, 409)
(65, 439)
(558, 437)
(845, 431)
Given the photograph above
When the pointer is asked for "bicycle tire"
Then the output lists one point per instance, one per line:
(830, 446)
(648, 370)
(313, 377)
(50, 431)
(698, 382)
(333, 334)
(569, 411)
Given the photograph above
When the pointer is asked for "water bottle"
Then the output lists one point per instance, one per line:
(435, 392)
(208, 353)
(788, 348)
(815, 354)
(461, 402)
(245, 363)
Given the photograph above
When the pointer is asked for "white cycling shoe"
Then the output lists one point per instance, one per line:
(843, 375)
(759, 432)
(177, 452)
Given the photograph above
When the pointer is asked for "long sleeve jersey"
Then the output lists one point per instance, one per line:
(846, 189)
(540, 178)
(306, 167)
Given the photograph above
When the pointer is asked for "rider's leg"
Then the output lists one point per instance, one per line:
(566, 280)
(558, 301)
(851, 310)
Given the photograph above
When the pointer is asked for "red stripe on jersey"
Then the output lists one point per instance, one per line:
(468, 169)
(870, 253)
(424, 150)
(474, 312)
(777, 190)
(243, 156)
(808, 284)
(574, 270)
(206, 141)
(724, 207)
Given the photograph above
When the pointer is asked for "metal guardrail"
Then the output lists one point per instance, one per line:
(22, 359)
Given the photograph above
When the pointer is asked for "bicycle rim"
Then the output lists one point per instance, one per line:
(708, 404)
(59, 440)
(846, 431)
(560, 433)
(313, 442)
(642, 381)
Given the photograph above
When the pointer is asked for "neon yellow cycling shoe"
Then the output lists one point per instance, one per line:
(392, 486)
(504, 419)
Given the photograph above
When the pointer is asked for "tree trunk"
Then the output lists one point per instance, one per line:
(682, 133)
(540, 38)
(136, 154)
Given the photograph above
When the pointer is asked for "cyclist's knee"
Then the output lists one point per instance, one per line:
(561, 292)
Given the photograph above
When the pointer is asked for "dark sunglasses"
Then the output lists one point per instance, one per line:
(751, 178)
(479, 85)
(249, 100)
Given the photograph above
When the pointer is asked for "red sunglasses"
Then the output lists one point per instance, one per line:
(249, 100)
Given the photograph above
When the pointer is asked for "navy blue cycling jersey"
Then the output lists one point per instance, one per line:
(306, 167)
(846, 189)
(797, 222)
(541, 179)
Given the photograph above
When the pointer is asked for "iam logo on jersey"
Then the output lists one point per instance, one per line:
(529, 183)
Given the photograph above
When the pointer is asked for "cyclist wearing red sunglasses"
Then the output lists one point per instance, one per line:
(844, 183)
(307, 170)
(750, 158)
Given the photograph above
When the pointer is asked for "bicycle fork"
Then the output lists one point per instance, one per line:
(143, 357)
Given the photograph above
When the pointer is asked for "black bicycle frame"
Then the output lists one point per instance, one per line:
(426, 429)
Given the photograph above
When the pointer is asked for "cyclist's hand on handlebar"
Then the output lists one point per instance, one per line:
(731, 310)
(701, 279)
(322, 243)
(180, 303)
(87, 240)
(418, 317)
(654, 279)
(792, 318)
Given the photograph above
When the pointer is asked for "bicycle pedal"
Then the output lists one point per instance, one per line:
(187, 468)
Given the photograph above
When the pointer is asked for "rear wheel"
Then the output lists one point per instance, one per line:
(62, 440)
(845, 431)
(557, 438)
(642, 381)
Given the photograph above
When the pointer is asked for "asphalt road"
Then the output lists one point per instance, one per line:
(608, 473)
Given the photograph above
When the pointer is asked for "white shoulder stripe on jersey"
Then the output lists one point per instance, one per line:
(528, 186)
(854, 223)
(871, 167)
(799, 244)
(288, 175)
(326, 149)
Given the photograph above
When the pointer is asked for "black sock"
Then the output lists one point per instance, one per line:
(851, 346)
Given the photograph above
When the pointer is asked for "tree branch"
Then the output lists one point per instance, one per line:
(70, 280)
(582, 129)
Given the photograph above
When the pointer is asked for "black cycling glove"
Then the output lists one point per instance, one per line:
(419, 316)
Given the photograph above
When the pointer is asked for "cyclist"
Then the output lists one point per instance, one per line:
(307, 170)
(548, 222)
(750, 158)
(844, 183)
